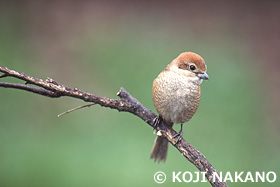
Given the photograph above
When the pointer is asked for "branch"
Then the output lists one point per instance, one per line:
(73, 109)
(126, 103)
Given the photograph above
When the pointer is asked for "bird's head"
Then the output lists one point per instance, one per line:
(191, 65)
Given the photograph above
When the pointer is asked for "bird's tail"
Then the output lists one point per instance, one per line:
(160, 148)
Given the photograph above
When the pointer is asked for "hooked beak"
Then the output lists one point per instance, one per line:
(203, 76)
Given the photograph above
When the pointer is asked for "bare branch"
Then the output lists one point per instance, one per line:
(126, 103)
(3, 75)
(39, 91)
(73, 109)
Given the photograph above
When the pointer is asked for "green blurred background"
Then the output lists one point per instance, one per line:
(99, 46)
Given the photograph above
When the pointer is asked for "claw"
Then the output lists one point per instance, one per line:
(156, 121)
(179, 135)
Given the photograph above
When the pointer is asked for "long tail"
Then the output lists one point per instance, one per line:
(160, 148)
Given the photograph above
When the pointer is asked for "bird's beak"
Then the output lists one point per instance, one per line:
(203, 76)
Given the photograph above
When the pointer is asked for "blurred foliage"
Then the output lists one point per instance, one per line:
(97, 146)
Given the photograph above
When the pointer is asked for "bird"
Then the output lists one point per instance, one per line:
(176, 95)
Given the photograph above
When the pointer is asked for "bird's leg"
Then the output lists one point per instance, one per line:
(156, 122)
(179, 135)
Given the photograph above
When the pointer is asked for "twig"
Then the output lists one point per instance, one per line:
(73, 109)
(127, 103)
(3, 75)
(36, 90)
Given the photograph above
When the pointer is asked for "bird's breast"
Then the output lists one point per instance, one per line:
(175, 97)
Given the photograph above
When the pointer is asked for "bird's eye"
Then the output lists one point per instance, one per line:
(192, 67)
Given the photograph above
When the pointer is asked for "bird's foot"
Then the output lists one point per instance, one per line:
(179, 135)
(156, 122)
